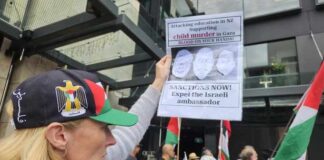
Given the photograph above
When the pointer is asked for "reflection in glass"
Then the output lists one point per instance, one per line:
(271, 64)
(320, 1)
(255, 8)
(217, 6)
(252, 8)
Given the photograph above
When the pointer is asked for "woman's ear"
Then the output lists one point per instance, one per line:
(56, 135)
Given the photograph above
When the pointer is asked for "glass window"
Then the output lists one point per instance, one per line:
(42, 13)
(217, 6)
(29, 15)
(252, 8)
(271, 64)
(13, 12)
(256, 8)
(132, 10)
(106, 47)
(182, 8)
(319, 2)
(131, 71)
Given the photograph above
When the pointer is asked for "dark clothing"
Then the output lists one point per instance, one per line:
(131, 158)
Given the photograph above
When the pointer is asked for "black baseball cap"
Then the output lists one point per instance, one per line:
(61, 96)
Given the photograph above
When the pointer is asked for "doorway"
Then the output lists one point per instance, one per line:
(191, 140)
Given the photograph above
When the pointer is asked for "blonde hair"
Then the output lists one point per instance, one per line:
(247, 152)
(27, 144)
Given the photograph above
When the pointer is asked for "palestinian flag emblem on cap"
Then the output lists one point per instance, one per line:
(71, 100)
(104, 112)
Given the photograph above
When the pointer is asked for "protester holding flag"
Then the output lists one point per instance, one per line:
(295, 143)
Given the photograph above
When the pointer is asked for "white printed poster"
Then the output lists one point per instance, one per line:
(206, 78)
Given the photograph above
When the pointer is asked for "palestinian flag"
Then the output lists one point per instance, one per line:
(223, 140)
(172, 134)
(301, 101)
(295, 143)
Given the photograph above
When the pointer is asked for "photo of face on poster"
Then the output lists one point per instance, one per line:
(182, 63)
(204, 63)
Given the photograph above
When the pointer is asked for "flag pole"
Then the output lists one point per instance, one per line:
(160, 133)
(220, 140)
(283, 136)
(178, 146)
(292, 117)
(299, 104)
(185, 156)
(316, 45)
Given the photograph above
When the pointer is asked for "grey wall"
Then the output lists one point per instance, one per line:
(298, 26)
(308, 57)
(286, 26)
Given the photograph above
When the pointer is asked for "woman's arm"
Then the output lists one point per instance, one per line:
(128, 137)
